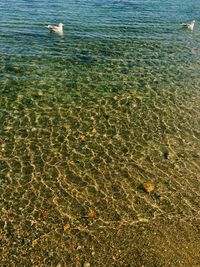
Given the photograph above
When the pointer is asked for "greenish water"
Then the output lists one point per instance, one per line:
(87, 117)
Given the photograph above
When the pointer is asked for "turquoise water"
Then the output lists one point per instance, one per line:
(88, 116)
(128, 43)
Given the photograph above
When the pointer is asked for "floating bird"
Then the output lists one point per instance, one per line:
(56, 29)
(189, 26)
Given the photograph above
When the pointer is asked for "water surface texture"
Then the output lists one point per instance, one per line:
(86, 118)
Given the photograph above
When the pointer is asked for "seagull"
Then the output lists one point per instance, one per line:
(189, 26)
(56, 29)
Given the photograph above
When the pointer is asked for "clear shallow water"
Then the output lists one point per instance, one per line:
(86, 117)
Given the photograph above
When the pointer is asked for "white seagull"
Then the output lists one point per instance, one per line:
(56, 29)
(189, 26)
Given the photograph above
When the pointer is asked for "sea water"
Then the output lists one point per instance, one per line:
(88, 116)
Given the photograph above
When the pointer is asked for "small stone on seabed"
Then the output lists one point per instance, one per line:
(148, 187)
(94, 131)
(139, 97)
(91, 214)
(82, 137)
(86, 264)
(2, 147)
(40, 93)
(44, 213)
(66, 227)
(34, 242)
(33, 129)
